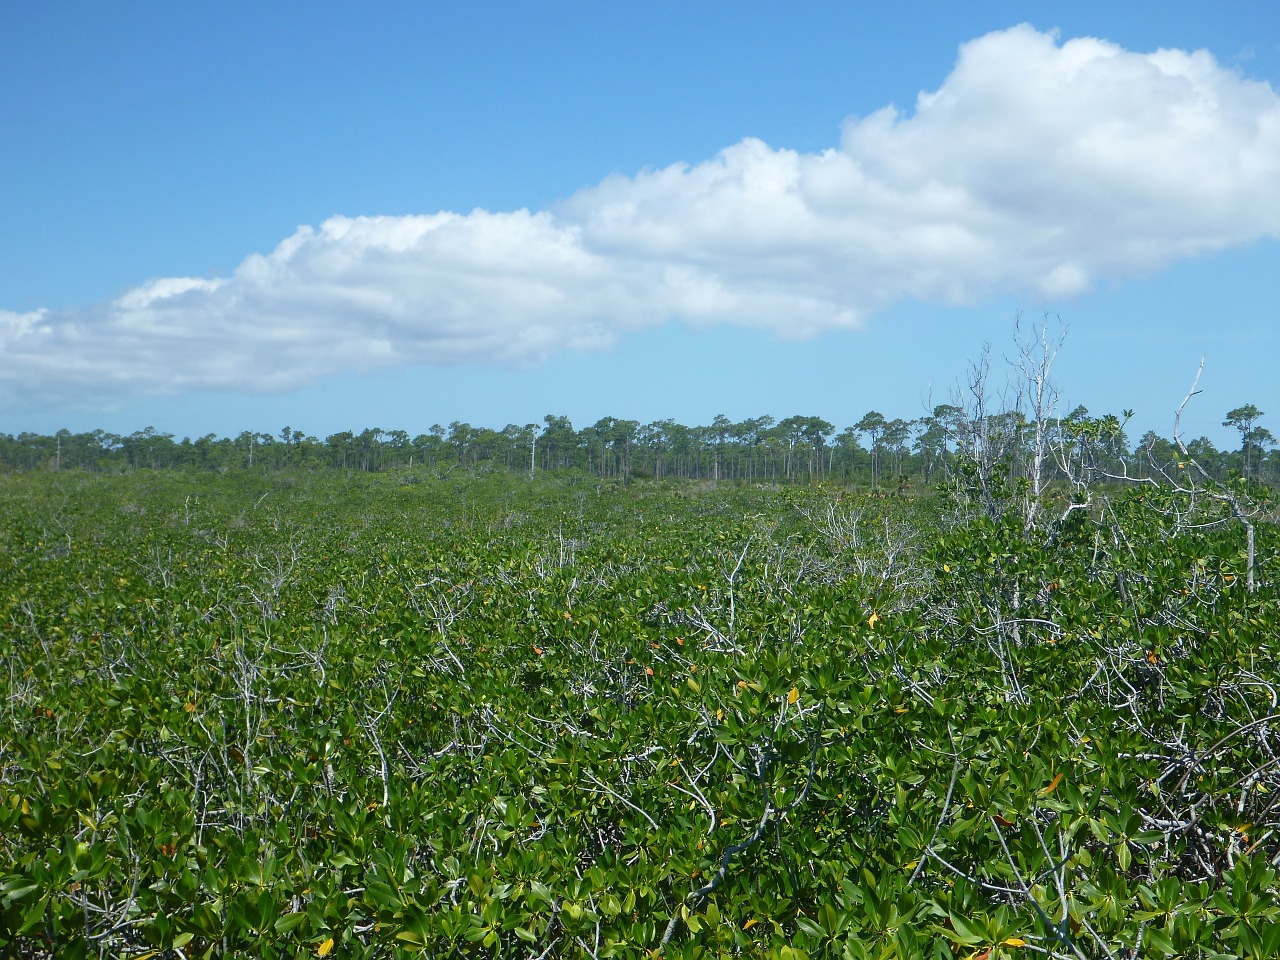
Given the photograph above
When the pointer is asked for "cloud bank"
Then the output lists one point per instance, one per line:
(1037, 168)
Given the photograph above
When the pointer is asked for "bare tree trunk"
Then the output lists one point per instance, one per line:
(1036, 354)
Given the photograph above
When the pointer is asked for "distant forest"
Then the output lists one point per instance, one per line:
(875, 451)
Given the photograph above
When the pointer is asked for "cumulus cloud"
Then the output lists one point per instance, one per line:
(1037, 167)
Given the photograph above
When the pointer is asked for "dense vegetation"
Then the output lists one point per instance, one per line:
(429, 713)
(876, 450)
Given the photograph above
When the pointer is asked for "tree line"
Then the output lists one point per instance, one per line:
(876, 451)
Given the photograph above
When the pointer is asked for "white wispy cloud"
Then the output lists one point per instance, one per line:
(1037, 167)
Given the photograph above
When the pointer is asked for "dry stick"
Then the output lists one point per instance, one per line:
(731, 578)
(699, 796)
(1026, 892)
(617, 796)
(1193, 760)
(701, 893)
(1227, 497)
(946, 805)
(699, 896)
(993, 887)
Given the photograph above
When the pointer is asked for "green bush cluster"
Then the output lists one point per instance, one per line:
(317, 715)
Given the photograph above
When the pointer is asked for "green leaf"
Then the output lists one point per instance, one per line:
(965, 932)
(712, 914)
(288, 922)
(17, 893)
(1159, 941)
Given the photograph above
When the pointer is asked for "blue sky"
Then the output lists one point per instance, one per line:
(636, 210)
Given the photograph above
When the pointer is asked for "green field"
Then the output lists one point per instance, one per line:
(399, 714)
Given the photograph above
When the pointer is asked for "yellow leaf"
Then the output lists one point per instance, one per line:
(873, 620)
(1053, 785)
(946, 568)
(750, 923)
(324, 948)
(1013, 942)
(794, 695)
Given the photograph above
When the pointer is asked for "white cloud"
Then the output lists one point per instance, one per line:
(1036, 167)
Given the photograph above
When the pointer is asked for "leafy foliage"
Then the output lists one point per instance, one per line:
(290, 715)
